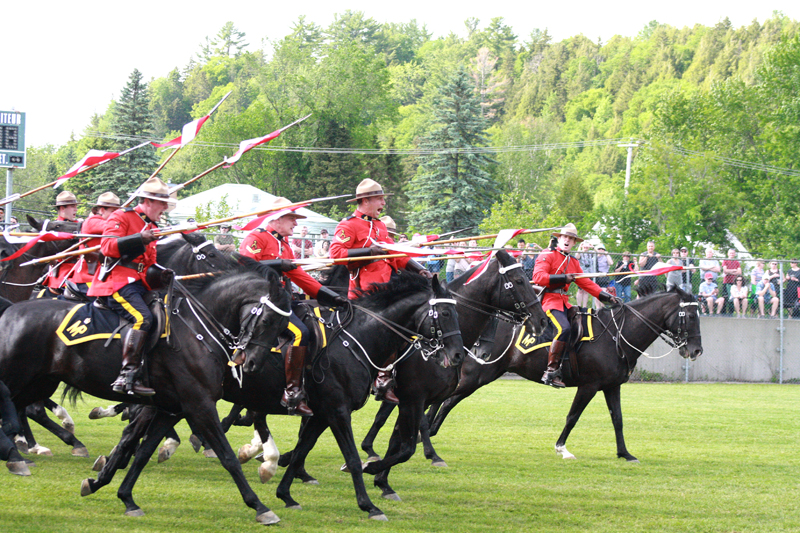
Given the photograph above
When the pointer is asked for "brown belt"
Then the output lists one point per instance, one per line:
(138, 267)
(556, 291)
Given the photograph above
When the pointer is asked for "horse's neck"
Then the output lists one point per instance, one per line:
(387, 341)
(639, 334)
(472, 322)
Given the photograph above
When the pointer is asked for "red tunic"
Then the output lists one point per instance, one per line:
(266, 244)
(93, 225)
(552, 262)
(124, 222)
(358, 231)
(55, 278)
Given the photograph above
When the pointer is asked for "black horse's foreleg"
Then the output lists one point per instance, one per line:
(123, 452)
(427, 445)
(614, 404)
(384, 411)
(233, 414)
(300, 469)
(37, 413)
(11, 426)
(206, 420)
(579, 403)
(310, 430)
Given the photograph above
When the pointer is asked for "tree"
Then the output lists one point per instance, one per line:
(131, 123)
(453, 188)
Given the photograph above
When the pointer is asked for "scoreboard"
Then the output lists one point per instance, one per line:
(12, 139)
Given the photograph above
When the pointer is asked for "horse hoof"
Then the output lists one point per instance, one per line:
(266, 471)
(95, 413)
(244, 454)
(40, 450)
(86, 489)
(99, 463)
(18, 468)
(22, 446)
(439, 462)
(194, 440)
(372, 459)
(80, 451)
(163, 454)
(267, 518)
(344, 469)
(209, 454)
(311, 481)
(380, 517)
(134, 512)
(632, 460)
(391, 496)
(295, 506)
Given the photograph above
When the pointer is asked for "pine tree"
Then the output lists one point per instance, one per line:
(132, 123)
(453, 188)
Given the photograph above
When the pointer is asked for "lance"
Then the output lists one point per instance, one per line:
(479, 237)
(657, 270)
(175, 151)
(63, 255)
(75, 235)
(15, 197)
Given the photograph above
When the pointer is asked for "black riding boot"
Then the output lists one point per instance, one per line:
(552, 376)
(294, 398)
(384, 384)
(132, 348)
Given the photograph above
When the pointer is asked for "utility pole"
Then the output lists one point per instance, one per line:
(630, 146)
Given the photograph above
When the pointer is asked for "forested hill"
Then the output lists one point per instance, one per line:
(491, 128)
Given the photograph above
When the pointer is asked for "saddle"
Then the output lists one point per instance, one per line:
(311, 314)
(87, 322)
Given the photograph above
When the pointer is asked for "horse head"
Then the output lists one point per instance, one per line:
(442, 322)
(54, 225)
(516, 293)
(6, 250)
(685, 325)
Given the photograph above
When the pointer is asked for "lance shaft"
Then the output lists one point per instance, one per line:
(479, 237)
(62, 255)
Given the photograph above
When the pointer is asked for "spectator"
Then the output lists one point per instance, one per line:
(757, 273)
(709, 295)
(224, 241)
(303, 247)
(527, 259)
(709, 265)
(731, 268)
(739, 296)
(648, 259)
(318, 248)
(791, 285)
(13, 221)
(588, 261)
(603, 265)
(765, 293)
(686, 275)
(674, 276)
(624, 282)
(456, 267)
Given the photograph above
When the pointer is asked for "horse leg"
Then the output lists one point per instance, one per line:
(36, 412)
(110, 411)
(310, 430)
(402, 446)
(615, 410)
(467, 386)
(11, 426)
(300, 469)
(384, 411)
(427, 445)
(206, 419)
(269, 452)
(579, 403)
(121, 454)
(62, 414)
(229, 420)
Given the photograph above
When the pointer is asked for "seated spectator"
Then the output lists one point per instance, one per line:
(709, 265)
(739, 296)
(321, 249)
(303, 247)
(757, 272)
(624, 282)
(765, 293)
(224, 242)
(709, 295)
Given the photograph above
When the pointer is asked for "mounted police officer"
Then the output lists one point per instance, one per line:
(360, 235)
(270, 244)
(122, 279)
(67, 207)
(84, 271)
(555, 269)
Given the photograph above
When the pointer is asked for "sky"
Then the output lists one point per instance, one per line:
(66, 60)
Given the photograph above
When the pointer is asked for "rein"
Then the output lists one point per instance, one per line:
(517, 317)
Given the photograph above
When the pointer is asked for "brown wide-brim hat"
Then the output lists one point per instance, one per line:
(569, 230)
(66, 198)
(280, 203)
(155, 189)
(389, 222)
(367, 189)
(108, 199)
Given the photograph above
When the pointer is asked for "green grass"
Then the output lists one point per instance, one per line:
(714, 457)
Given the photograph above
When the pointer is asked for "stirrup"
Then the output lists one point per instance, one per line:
(550, 377)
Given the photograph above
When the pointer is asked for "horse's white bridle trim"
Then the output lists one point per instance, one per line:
(196, 249)
(434, 301)
(503, 270)
(266, 301)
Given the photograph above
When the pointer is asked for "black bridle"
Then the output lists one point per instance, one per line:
(517, 317)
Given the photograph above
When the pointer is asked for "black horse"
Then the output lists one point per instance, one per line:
(502, 290)
(187, 370)
(622, 335)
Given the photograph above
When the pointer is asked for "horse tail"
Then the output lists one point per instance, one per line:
(4, 304)
(72, 393)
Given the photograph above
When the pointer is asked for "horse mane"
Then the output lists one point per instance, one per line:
(401, 285)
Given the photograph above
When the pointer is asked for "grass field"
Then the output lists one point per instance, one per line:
(714, 457)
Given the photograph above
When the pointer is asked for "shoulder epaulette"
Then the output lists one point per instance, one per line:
(345, 219)
(127, 209)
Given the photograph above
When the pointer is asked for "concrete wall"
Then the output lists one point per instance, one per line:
(744, 349)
